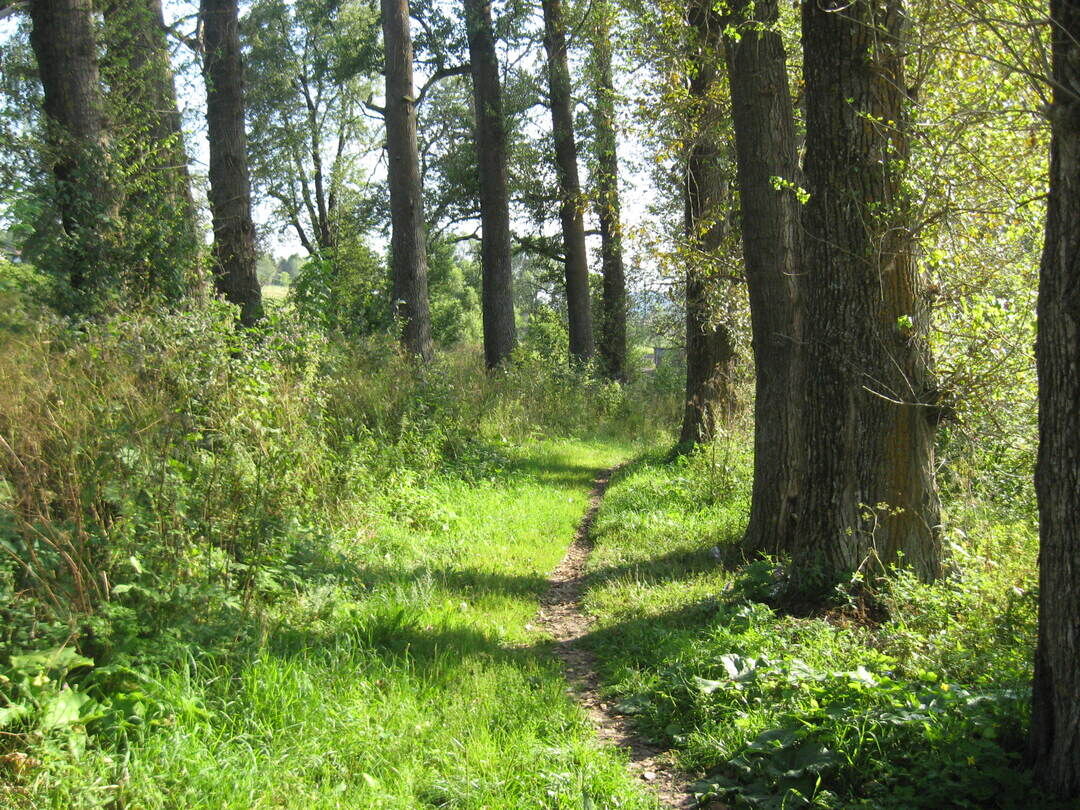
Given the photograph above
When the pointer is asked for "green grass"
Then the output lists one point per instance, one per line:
(924, 710)
(421, 683)
(275, 292)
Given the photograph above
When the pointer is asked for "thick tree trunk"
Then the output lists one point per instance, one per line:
(141, 75)
(136, 41)
(710, 354)
(707, 197)
(62, 37)
(765, 149)
(1055, 719)
(500, 334)
(230, 184)
(408, 242)
(868, 497)
(566, 165)
(612, 327)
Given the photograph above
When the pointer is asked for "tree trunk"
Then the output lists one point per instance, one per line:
(566, 157)
(500, 334)
(62, 37)
(612, 343)
(230, 184)
(765, 149)
(320, 222)
(141, 77)
(710, 349)
(408, 243)
(1055, 718)
(868, 497)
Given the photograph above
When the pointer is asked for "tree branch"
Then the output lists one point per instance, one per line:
(438, 76)
(9, 7)
(375, 108)
(548, 247)
(193, 43)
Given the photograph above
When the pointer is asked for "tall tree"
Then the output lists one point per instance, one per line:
(310, 66)
(578, 305)
(710, 349)
(62, 38)
(612, 327)
(765, 150)
(230, 184)
(500, 335)
(158, 201)
(1055, 720)
(408, 246)
(867, 495)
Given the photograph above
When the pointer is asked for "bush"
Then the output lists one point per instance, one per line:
(343, 291)
(167, 464)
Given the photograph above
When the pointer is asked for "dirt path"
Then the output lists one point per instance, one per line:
(561, 615)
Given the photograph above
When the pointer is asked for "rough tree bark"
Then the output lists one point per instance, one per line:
(500, 334)
(710, 349)
(408, 241)
(1055, 719)
(612, 327)
(230, 184)
(765, 149)
(868, 497)
(566, 165)
(142, 74)
(62, 38)
(136, 39)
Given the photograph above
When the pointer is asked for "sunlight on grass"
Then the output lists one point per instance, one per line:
(275, 292)
(429, 690)
(922, 708)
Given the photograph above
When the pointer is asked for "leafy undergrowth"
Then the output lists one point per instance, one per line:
(407, 676)
(925, 709)
(283, 568)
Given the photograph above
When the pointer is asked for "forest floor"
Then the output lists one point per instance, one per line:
(450, 651)
(429, 685)
(920, 707)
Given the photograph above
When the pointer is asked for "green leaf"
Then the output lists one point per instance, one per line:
(10, 714)
(862, 675)
(739, 668)
(64, 659)
(706, 686)
(64, 709)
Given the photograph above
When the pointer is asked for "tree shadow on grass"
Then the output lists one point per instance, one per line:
(471, 581)
(673, 566)
(466, 581)
(399, 636)
(558, 473)
(394, 630)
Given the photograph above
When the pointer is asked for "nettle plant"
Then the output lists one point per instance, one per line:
(842, 732)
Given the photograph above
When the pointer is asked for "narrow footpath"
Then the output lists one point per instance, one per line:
(562, 616)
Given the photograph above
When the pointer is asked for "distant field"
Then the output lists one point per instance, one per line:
(275, 291)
